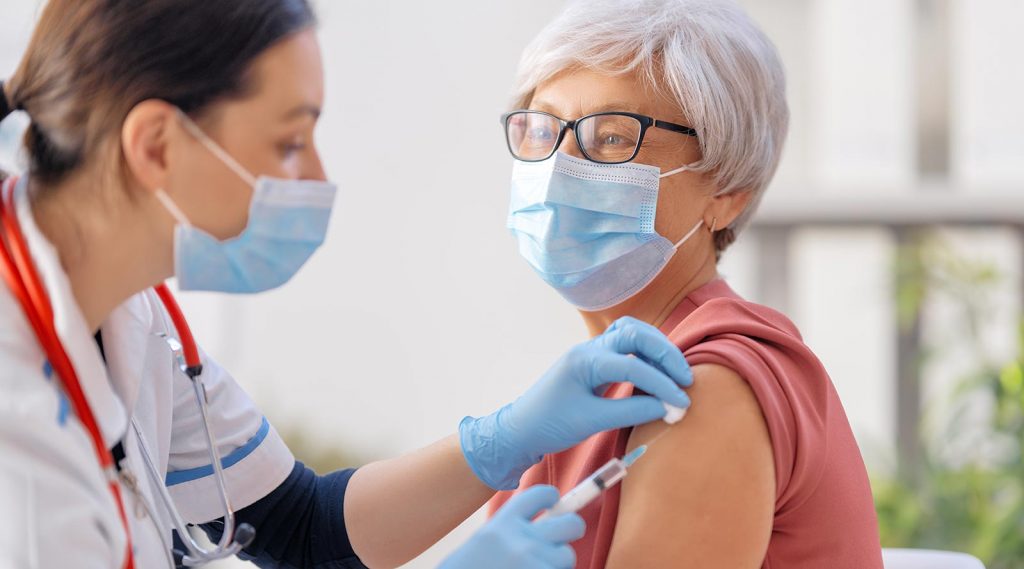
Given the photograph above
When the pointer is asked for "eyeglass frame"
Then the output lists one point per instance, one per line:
(645, 121)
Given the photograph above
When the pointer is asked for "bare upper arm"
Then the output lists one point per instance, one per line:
(704, 494)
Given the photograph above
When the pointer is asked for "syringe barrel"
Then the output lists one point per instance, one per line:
(590, 489)
(610, 474)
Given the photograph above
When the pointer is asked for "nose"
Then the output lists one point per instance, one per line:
(570, 145)
(315, 168)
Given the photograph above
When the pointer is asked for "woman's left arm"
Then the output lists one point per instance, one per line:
(704, 494)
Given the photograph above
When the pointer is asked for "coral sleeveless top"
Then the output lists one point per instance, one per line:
(824, 513)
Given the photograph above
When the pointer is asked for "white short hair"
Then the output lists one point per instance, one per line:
(707, 56)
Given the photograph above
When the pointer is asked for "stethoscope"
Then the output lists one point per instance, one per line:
(20, 274)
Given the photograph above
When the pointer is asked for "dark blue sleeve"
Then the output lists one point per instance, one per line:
(300, 525)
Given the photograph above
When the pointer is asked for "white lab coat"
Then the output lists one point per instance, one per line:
(55, 507)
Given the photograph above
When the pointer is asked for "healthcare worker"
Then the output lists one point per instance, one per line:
(175, 138)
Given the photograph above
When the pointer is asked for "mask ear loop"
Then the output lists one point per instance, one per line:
(699, 223)
(215, 148)
(676, 171)
(688, 235)
(193, 129)
(178, 215)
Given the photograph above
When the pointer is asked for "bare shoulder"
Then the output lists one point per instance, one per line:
(704, 494)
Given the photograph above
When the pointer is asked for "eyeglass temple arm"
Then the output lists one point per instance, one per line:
(675, 127)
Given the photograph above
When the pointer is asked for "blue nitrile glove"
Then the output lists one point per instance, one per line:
(565, 406)
(511, 541)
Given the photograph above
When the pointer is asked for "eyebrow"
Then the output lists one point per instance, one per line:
(545, 106)
(301, 110)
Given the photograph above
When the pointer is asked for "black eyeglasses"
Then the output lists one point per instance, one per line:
(607, 138)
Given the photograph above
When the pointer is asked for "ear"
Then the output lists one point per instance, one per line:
(724, 209)
(145, 140)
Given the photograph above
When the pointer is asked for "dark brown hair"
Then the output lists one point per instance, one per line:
(91, 61)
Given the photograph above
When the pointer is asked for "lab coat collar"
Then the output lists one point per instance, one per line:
(126, 334)
(70, 325)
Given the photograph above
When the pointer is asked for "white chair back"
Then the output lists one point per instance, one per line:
(925, 559)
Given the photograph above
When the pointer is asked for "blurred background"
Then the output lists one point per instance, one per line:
(892, 235)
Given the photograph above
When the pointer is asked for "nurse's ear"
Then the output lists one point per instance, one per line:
(146, 142)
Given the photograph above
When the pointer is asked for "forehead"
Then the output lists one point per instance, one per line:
(574, 93)
(291, 71)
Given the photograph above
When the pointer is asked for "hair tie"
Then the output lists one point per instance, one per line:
(5, 105)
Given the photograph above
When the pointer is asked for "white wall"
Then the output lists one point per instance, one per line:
(988, 119)
(863, 128)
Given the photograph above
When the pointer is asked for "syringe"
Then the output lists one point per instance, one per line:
(610, 474)
(602, 479)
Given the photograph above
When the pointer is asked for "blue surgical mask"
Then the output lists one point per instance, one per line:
(588, 229)
(287, 222)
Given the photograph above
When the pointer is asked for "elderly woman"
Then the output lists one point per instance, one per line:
(645, 133)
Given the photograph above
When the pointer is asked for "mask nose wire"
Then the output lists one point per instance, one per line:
(215, 148)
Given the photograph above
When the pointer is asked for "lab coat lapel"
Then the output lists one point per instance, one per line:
(78, 341)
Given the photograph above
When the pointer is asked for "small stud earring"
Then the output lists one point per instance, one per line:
(714, 225)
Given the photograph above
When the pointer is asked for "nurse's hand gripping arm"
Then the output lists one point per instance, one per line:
(395, 509)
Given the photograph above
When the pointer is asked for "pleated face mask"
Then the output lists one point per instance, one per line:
(287, 222)
(588, 229)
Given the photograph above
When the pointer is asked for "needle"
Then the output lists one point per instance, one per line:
(639, 451)
(594, 485)
(655, 438)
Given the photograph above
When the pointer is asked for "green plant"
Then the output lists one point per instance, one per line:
(970, 498)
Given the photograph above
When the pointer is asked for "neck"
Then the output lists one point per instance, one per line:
(683, 275)
(109, 245)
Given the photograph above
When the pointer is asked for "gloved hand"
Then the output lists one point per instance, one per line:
(565, 406)
(511, 541)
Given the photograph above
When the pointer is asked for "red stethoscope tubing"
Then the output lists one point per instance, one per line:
(188, 343)
(18, 271)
